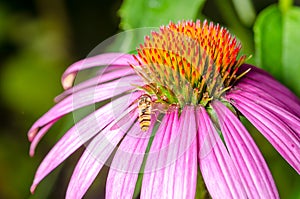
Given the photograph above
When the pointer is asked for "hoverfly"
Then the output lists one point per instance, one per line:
(148, 110)
(145, 108)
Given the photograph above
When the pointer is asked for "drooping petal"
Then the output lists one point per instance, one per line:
(94, 157)
(273, 126)
(159, 142)
(79, 134)
(171, 167)
(252, 168)
(127, 163)
(116, 59)
(99, 79)
(262, 90)
(39, 136)
(85, 97)
(262, 77)
(217, 167)
(291, 119)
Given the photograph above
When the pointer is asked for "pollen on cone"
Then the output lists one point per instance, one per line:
(194, 54)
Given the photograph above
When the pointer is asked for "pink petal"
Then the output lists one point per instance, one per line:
(99, 79)
(268, 102)
(217, 167)
(161, 143)
(93, 159)
(171, 168)
(262, 77)
(277, 97)
(253, 170)
(117, 59)
(152, 178)
(273, 126)
(39, 136)
(78, 135)
(83, 98)
(127, 163)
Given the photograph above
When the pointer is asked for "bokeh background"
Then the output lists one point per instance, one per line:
(40, 38)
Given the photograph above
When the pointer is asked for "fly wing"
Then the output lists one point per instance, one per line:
(130, 115)
(160, 107)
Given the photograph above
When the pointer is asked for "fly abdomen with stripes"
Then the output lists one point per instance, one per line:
(145, 106)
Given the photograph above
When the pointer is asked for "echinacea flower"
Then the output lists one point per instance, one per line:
(196, 88)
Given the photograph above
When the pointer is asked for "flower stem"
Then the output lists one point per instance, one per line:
(138, 185)
(284, 5)
(201, 190)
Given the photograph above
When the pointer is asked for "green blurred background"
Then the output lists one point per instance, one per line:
(39, 39)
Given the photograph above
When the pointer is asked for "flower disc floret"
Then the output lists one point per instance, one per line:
(188, 63)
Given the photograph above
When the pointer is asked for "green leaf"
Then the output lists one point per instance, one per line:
(245, 11)
(268, 40)
(277, 44)
(291, 49)
(149, 13)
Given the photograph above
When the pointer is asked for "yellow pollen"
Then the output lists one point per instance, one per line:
(188, 62)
